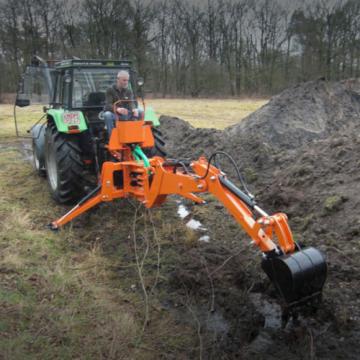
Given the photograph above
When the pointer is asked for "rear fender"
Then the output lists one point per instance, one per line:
(151, 116)
(68, 121)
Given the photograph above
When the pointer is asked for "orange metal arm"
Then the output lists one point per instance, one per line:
(262, 230)
(152, 185)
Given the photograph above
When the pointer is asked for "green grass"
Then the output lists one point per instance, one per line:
(48, 309)
(76, 293)
(26, 117)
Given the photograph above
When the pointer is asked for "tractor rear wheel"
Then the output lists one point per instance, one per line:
(159, 147)
(64, 166)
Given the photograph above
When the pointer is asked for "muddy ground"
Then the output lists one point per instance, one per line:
(208, 297)
(300, 155)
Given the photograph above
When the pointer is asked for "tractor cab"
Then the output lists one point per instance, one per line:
(80, 89)
(82, 84)
(74, 85)
(71, 84)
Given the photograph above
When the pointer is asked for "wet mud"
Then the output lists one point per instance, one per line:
(300, 155)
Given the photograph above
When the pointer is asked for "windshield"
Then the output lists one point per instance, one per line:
(90, 85)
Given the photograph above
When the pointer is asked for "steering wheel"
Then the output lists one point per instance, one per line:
(117, 104)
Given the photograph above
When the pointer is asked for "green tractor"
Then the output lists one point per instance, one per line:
(70, 146)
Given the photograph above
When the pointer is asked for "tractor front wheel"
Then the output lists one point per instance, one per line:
(64, 166)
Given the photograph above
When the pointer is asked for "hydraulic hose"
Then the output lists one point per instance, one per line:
(139, 155)
(241, 179)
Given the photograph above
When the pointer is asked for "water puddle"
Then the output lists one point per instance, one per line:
(213, 324)
(26, 149)
(271, 311)
(216, 323)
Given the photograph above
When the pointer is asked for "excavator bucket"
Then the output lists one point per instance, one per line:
(298, 277)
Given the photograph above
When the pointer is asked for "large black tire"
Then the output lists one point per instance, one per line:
(159, 148)
(64, 166)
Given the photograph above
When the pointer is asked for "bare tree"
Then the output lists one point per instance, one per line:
(227, 47)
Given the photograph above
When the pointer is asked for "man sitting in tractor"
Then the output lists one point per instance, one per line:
(127, 109)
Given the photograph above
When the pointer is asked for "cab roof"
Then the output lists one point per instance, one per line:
(83, 63)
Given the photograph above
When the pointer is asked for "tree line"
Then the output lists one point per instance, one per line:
(187, 48)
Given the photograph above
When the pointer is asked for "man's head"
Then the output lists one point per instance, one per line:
(122, 79)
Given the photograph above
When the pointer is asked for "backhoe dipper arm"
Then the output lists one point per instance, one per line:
(298, 274)
(208, 178)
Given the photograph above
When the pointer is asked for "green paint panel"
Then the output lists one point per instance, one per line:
(151, 116)
(64, 118)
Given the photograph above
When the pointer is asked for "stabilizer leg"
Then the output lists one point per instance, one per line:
(84, 205)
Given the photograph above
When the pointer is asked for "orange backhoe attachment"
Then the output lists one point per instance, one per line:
(297, 273)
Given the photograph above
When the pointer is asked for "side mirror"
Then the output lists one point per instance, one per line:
(21, 99)
(22, 102)
(140, 81)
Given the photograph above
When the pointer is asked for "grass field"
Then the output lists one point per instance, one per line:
(207, 113)
(76, 294)
(210, 113)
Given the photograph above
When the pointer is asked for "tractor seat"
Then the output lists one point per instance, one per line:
(96, 99)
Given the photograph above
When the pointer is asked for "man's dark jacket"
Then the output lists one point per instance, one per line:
(114, 94)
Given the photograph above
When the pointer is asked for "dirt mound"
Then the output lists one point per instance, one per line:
(297, 116)
(303, 113)
(183, 140)
(287, 126)
(300, 152)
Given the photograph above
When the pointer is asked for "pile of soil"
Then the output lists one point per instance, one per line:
(300, 155)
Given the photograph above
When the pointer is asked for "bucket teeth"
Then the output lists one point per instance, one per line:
(298, 277)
